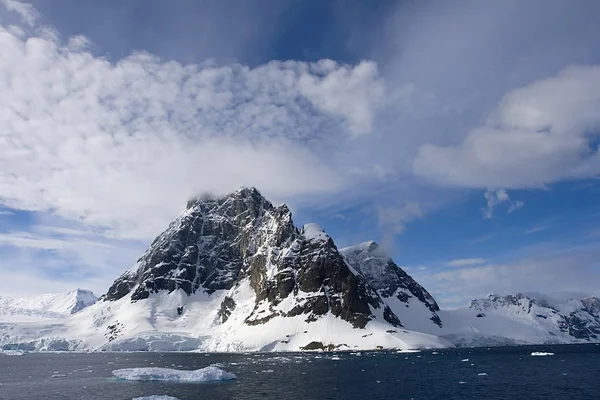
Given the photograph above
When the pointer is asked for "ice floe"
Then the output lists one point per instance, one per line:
(13, 352)
(208, 374)
(541, 353)
(156, 397)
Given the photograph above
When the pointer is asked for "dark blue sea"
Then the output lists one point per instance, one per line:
(494, 373)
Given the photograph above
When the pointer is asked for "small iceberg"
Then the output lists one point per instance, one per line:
(541, 353)
(156, 397)
(482, 374)
(208, 374)
(13, 352)
(464, 360)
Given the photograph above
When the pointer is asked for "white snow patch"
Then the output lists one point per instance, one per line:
(208, 374)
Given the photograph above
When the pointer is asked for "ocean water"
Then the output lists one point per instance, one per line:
(494, 373)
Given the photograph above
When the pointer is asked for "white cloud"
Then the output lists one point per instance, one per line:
(466, 262)
(348, 92)
(25, 10)
(123, 145)
(496, 197)
(4, 212)
(538, 134)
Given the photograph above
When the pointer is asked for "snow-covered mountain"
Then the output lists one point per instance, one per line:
(522, 319)
(51, 305)
(235, 274)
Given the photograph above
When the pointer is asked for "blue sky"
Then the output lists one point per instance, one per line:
(461, 135)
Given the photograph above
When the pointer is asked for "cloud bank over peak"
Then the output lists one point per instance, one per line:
(122, 145)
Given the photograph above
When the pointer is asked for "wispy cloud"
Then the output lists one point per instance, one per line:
(483, 239)
(494, 198)
(25, 10)
(536, 229)
(393, 219)
(516, 205)
(57, 257)
(465, 262)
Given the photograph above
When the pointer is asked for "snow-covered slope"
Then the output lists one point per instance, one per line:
(523, 319)
(51, 305)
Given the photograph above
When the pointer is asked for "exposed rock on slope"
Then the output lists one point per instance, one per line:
(217, 243)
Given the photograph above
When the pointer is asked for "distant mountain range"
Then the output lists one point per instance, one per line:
(234, 273)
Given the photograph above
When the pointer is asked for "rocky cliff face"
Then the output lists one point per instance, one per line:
(216, 243)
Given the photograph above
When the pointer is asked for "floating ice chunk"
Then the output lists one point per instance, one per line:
(13, 352)
(482, 374)
(462, 382)
(335, 358)
(156, 397)
(541, 353)
(464, 360)
(435, 352)
(207, 374)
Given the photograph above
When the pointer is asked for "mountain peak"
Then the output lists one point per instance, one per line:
(241, 193)
(369, 247)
